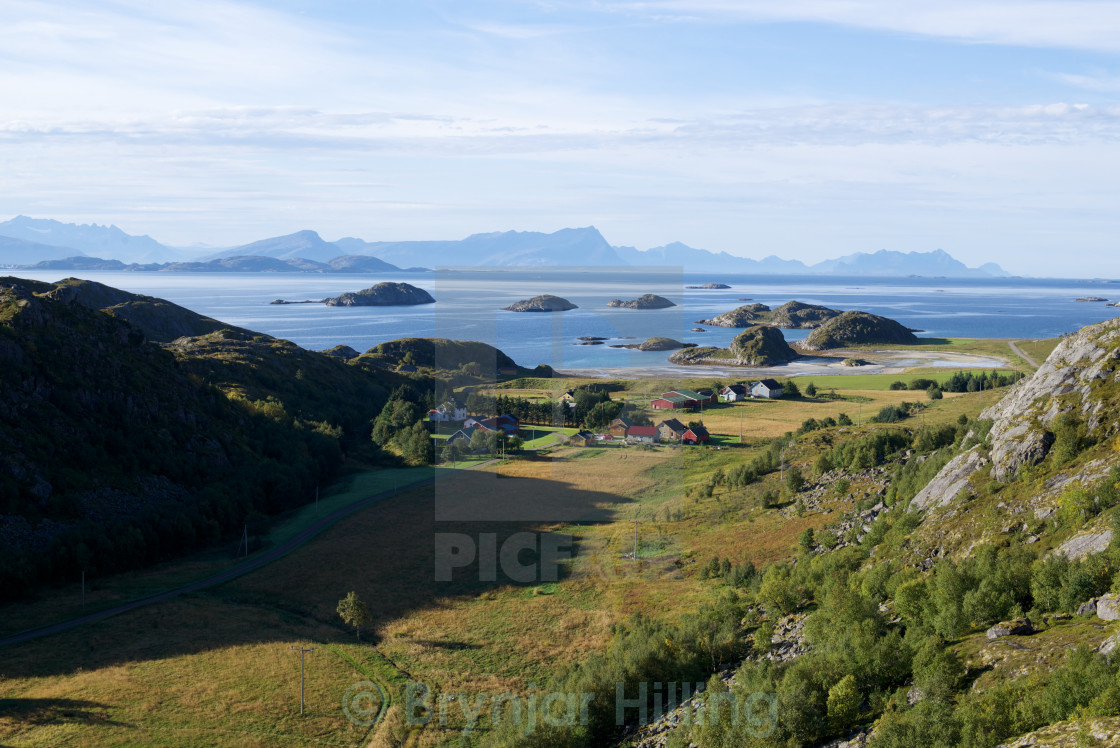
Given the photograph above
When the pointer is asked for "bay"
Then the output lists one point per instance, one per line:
(470, 300)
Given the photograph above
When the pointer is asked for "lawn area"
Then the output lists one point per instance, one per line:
(1039, 350)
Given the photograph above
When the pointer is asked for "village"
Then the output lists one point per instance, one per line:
(457, 427)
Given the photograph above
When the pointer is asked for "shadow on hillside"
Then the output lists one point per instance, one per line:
(386, 553)
(34, 711)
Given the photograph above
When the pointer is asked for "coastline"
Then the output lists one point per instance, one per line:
(880, 362)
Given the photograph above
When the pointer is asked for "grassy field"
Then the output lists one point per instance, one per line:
(217, 667)
(1038, 349)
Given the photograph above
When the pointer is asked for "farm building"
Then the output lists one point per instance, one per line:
(619, 427)
(582, 439)
(671, 430)
(672, 401)
(766, 388)
(507, 424)
(695, 435)
(734, 393)
(642, 435)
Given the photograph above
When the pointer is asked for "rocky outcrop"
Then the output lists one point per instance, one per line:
(384, 294)
(344, 352)
(1014, 627)
(858, 328)
(645, 301)
(947, 484)
(543, 303)
(762, 346)
(744, 316)
(794, 315)
(1020, 434)
(710, 286)
(1081, 546)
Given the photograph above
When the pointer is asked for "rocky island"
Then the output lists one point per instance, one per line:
(793, 315)
(1091, 298)
(711, 286)
(656, 344)
(756, 346)
(645, 301)
(543, 303)
(744, 316)
(858, 328)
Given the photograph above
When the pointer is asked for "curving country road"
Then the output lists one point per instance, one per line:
(1019, 352)
(221, 577)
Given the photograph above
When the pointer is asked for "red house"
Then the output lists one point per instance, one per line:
(695, 435)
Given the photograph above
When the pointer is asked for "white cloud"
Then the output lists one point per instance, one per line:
(1078, 24)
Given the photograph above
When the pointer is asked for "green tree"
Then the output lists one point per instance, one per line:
(795, 481)
(807, 540)
(843, 703)
(934, 392)
(354, 612)
(811, 389)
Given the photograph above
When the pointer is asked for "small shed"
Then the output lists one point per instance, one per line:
(582, 439)
(695, 435)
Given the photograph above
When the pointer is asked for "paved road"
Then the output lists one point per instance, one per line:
(221, 577)
(1019, 352)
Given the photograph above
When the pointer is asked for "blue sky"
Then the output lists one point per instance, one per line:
(807, 128)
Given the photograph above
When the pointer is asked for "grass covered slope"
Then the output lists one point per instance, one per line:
(118, 452)
(857, 328)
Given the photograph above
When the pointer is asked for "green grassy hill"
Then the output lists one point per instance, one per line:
(119, 452)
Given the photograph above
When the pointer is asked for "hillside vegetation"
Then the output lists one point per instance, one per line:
(119, 452)
(857, 328)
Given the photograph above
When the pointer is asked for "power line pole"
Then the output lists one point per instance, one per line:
(740, 424)
(859, 415)
(302, 652)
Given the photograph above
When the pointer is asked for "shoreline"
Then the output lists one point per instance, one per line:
(881, 362)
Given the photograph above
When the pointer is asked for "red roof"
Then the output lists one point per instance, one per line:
(642, 431)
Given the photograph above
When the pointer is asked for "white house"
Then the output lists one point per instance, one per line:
(733, 393)
(449, 411)
(766, 388)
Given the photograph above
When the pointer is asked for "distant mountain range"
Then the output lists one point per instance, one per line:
(47, 244)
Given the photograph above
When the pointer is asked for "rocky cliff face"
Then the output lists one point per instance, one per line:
(1075, 379)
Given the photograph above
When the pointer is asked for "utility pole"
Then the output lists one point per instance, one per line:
(740, 424)
(302, 652)
(635, 537)
(859, 415)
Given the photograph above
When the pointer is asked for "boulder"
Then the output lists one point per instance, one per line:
(1108, 607)
(1014, 627)
(1087, 608)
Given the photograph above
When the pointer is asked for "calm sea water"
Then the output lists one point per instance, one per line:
(469, 306)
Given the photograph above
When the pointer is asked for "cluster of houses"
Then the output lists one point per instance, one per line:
(691, 400)
(764, 388)
(509, 425)
(621, 432)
